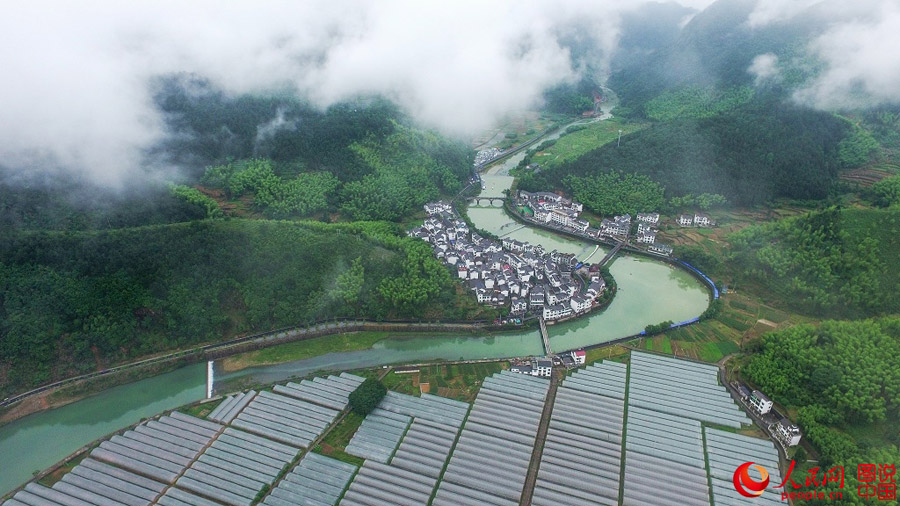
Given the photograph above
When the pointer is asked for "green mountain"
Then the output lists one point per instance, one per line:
(72, 302)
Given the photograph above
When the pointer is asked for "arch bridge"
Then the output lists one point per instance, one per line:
(489, 200)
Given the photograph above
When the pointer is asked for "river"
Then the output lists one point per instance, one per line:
(649, 292)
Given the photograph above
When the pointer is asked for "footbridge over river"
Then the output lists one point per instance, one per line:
(545, 337)
(609, 256)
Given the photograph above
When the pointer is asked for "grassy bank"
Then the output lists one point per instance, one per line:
(571, 146)
(308, 348)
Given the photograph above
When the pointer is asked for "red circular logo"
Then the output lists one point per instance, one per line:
(747, 486)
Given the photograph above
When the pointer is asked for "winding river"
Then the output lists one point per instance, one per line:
(649, 292)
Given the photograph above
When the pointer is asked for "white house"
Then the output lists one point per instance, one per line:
(610, 227)
(518, 306)
(581, 225)
(542, 367)
(524, 368)
(556, 312)
(542, 215)
(563, 217)
(686, 220)
(651, 218)
(536, 298)
(702, 220)
(788, 433)
(660, 249)
(647, 238)
(580, 304)
(760, 402)
(433, 208)
(579, 356)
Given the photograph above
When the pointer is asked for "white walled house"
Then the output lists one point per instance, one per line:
(580, 304)
(647, 238)
(686, 220)
(660, 249)
(579, 357)
(543, 368)
(651, 218)
(760, 402)
(556, 312)
(518, 306)
(702, 220)
(788, 433)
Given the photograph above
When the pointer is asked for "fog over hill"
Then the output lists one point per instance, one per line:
(78, 94)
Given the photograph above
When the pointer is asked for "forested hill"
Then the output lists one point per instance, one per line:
(835, 263)
(710, 56)
(90, 277)
(76, 302)
(363, 159)
(750, 156)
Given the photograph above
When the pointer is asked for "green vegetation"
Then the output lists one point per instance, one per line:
(762, 151)
(569, 98)
(578, 140)
(276, 197)
(845, 367)
(705, 201)
(613, 193)
(454, 381)
(201, 409)
(409, 168)
(335, 442)
(402, 171)
(842, 379)
(858, 148)
(886, 193)
(715, 307)
(77, 302)
(196, 198)
(827, 262)
(68, 204)
(307, 348)
(367, 396)
(653, 329)
(605, 353)
(696, 102)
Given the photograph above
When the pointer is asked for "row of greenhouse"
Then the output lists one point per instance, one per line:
(643, 421)
(580, 462)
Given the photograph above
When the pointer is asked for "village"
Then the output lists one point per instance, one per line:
(557, 212)
(509, 273)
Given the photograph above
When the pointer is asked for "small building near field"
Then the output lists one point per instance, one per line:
(543, 367)
(787, 433)
(760, 402)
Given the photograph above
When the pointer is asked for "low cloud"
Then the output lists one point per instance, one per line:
(858, 64)
(764, 69)
(76, 93)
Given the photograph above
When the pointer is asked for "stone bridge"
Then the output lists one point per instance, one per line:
(489, 200)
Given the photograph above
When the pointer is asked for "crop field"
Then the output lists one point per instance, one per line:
(571, 146)
(454, 381)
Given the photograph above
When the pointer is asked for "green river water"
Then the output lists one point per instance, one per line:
(649, 292)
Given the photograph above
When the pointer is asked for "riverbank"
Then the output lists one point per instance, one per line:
(78, 388)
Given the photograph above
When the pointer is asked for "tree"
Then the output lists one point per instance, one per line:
(367, 396)
(350, 282)
(658, 328)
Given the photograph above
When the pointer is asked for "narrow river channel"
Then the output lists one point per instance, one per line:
(649, 292)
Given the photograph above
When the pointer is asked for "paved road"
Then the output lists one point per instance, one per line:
(531, 477)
